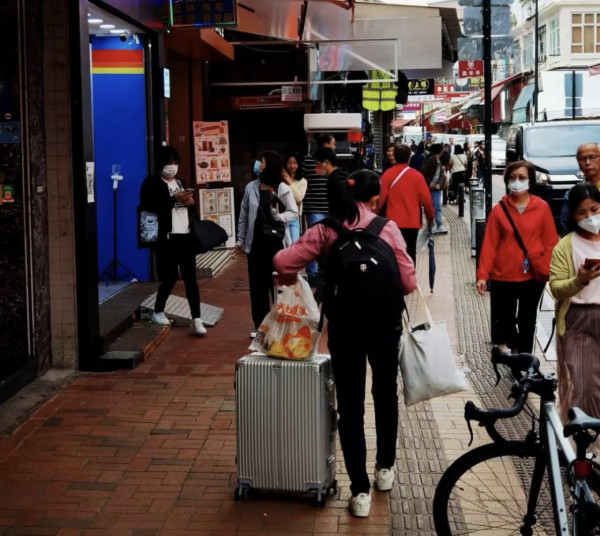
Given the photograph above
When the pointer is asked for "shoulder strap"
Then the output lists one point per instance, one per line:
(376, 225)
(512, 223)
(398, 178)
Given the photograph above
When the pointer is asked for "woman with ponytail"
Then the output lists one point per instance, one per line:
(352, 202)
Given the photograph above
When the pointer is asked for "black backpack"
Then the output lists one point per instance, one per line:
(362, 279)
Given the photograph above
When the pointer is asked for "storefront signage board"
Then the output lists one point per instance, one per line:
(205, 13)
(211, 152)
(217, 205)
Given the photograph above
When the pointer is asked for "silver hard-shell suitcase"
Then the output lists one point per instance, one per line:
(285, 426)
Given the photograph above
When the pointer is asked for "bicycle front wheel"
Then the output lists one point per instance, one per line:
(486, 491)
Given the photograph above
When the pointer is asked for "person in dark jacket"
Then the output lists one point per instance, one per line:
(433, 171)
(417, 159)
(326, 164)
(165, 195)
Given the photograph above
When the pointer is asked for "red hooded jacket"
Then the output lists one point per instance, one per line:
(501, 258)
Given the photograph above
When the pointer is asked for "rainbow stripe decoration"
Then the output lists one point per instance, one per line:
(117, 61)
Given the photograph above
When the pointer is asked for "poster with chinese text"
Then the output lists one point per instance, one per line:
(211, 152)
(217, 205)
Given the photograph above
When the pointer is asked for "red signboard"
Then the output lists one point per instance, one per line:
(470, 68)
(443, 89)
(411, 107)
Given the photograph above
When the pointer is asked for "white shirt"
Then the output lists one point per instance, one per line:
(586, 249)
(180, 223)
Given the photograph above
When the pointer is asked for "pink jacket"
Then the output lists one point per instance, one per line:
(319, 238)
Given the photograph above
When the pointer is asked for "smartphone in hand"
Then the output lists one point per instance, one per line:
(589, 263)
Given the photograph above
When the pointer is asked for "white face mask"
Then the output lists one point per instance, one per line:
(591, 224)
(518, 186)
(170, 171)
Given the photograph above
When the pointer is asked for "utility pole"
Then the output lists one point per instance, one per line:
(487, 96)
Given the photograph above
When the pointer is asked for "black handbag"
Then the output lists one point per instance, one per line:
(207, 235)
(272, 228)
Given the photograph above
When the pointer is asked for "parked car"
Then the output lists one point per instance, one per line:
(551, 147)
(498, 153)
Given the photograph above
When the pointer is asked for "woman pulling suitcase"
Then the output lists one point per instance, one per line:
(350, 207)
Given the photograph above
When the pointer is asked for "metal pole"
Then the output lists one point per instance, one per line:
(487, 92)
(573, 89)
(536, 61)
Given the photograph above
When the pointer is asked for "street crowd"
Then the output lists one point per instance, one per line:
(295, 210)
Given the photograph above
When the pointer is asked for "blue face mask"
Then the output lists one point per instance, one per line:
(256, 168)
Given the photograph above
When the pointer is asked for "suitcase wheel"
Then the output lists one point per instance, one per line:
(319, 499)
(240, 493)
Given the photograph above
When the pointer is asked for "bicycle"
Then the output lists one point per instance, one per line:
(497, 489)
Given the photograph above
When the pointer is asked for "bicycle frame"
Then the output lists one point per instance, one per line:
(553, 443)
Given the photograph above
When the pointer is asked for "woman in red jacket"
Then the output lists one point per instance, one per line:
(514, 293)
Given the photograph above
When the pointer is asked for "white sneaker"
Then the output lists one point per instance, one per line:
(198, 328)
(440, 229)
(160, 319)
(384, 479)
(360, 505)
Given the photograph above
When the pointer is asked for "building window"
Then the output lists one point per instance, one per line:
(542, 40)
(585, 31)
(553, 38)
(517, 60)
(527, 51)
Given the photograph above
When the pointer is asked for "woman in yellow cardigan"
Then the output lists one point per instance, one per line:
(574, 283)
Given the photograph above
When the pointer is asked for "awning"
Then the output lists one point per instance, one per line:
(525, 97)
(470, 104)
(499, 86)
(397, 124)
(457, 115)
(595, 69)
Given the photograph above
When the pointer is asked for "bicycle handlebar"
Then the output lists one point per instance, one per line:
(518, 364)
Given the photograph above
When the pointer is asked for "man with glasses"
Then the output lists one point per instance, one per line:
(588, 159)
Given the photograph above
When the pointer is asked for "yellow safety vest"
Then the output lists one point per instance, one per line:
(379, 94)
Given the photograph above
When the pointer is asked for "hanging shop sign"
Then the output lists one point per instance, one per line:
(291, 93)
(184, 13)
(217, 205)
(470, 68)
(423, 86)
(443, 89)
(211, 152)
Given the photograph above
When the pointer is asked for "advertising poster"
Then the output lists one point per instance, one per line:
(211, 151)
(217, 205)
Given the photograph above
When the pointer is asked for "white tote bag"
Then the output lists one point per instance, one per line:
(426, 361)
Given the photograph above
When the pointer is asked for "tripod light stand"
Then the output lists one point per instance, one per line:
(110, 273)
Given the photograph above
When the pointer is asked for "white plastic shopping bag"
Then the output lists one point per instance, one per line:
(290, 330)
(427, 363)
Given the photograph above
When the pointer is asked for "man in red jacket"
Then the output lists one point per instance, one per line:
(403, 192)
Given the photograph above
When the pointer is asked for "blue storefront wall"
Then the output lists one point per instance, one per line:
(120, 137)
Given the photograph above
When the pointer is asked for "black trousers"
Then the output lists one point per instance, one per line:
(350, 351)
(173, 256)
(260, 276)
(514, 312)
(410, 237)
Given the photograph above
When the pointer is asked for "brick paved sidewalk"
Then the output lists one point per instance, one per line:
(151, 452)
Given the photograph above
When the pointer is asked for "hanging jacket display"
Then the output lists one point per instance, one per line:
(380, 93)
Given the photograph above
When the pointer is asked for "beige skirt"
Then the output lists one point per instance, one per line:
(579, 361)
